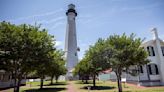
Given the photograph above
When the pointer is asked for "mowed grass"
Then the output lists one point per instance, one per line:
(35, 87)
(109, 86)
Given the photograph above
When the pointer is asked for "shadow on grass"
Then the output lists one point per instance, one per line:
(89, 82)
(98, 87)
(59, 83)
(83, 83)
(45, 90)
(125, 87)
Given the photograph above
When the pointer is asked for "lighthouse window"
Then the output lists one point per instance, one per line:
(162, 50)
(153, 69)
(150, 50)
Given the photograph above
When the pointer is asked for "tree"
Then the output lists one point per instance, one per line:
(21, 46)
(126, 52)
(82, 69)
(44, 56)
(95, 58)
(116, 52)
(57, 65)
(61, 70)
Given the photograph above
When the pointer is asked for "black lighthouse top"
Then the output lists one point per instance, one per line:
(71, 8)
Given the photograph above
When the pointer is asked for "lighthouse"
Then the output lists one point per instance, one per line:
(71, 55)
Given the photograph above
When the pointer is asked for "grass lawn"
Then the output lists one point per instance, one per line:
(56, 87)
(112, 87)
(107, 86)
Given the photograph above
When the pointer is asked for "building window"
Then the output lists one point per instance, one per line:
(162, 50)
(150, 50)
(153, 69)
(1, 77)
(141, 69)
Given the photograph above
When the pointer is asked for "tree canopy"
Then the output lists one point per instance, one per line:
(23, 48)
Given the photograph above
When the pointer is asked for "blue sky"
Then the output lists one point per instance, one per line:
(96, 18)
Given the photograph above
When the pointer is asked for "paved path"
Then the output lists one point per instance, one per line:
(70, 87)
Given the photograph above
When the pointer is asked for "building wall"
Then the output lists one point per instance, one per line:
(7, 81)
(144, 75)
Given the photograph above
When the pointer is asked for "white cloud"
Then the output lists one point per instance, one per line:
(162, 37)
(58, 43)
(56, 25)
(38, 15)
(52, 20)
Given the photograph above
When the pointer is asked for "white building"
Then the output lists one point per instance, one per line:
(71, 41)
(151, 74)
(7, 81)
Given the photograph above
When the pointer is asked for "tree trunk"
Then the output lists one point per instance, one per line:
(82, 79)
(94, 80)
(56, 78)
(86, 79)
(119, 82)
(15, 78)
(18, 85)
(15, 84)
(52, 79)
(41, 83)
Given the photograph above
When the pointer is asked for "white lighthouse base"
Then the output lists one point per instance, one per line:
(69, 76)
